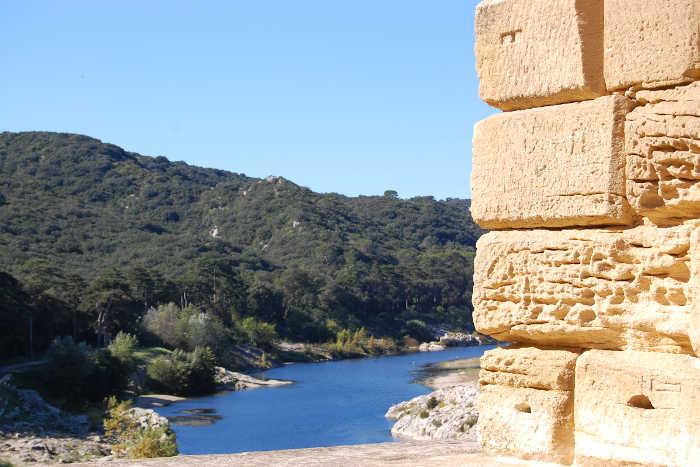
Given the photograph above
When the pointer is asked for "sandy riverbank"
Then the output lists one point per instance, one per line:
(448, 374)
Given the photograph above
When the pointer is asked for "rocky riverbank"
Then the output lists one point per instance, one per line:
(31, 430)
(448, 413)
(226, 380)
(445, 414)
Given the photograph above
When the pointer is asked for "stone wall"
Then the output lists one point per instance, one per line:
(590, 183)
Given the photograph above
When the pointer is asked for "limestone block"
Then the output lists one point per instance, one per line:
(555, 166)
(526, 403)
(651, 43)
(529, 367)
(694, 324)
(531, 53)
(607, 288)
(637, 408)
(662, 146)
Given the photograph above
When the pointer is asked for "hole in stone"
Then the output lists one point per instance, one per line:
(523, 407)
(640, 402)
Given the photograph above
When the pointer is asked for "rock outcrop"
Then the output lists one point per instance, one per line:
(234, 381)
(445, 414)
(595, 198)
(32, 430)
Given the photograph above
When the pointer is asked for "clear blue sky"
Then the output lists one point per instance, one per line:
(354, 96)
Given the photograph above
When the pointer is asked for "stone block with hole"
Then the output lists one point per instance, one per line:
(637, 408)
(531, 53)
(526, 403)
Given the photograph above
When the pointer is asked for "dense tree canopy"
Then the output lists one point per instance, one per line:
(92, 237)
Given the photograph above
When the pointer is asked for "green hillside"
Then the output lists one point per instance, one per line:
(97, 235)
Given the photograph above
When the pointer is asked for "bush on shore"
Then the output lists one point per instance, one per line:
(133, 440)
(183, 373)
(79, 374)
(123, 348)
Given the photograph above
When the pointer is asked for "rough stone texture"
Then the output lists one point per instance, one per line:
(594, 288)
(694, 324)
(529, 367)
(521, 414)
(445, 414)
(651, 43)
(637, 408)
(662, 146)
(556, 166)
(531, 53)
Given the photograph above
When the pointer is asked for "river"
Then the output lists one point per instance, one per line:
(331, 403)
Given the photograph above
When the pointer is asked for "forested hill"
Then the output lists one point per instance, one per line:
(81, 217)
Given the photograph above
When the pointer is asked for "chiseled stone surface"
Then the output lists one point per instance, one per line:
(531, 53)
(529, 367)
(651, 43)
(408, 454)
(593, 288)
(527, 413)
(637, 408)
(662, 146)
(555, 166)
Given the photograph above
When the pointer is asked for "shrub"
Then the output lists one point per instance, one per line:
(424, 414)
(203, 330)
(258, 333)
(162, 322)
(169, 374)
(183, 373)
(123, 348)
(432, 403)
(132, 440)
(68, 366)
(202, 363)
(187, 328)
(418, 330)
(80, 375)
(4, 463)
(106, 376)
(382, 346)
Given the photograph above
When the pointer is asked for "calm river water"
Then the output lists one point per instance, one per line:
(331, 403)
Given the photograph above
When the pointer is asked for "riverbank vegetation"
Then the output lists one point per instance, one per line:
(131, 439)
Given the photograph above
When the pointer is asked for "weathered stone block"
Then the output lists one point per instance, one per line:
(637, 408)
(651, 43)
(520, 411)
(595, 288)
(556, 166)
(662, 143)
(529, 367)
(694, 319)
(531, 53)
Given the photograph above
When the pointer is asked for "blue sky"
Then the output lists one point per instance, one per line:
(354, 96)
